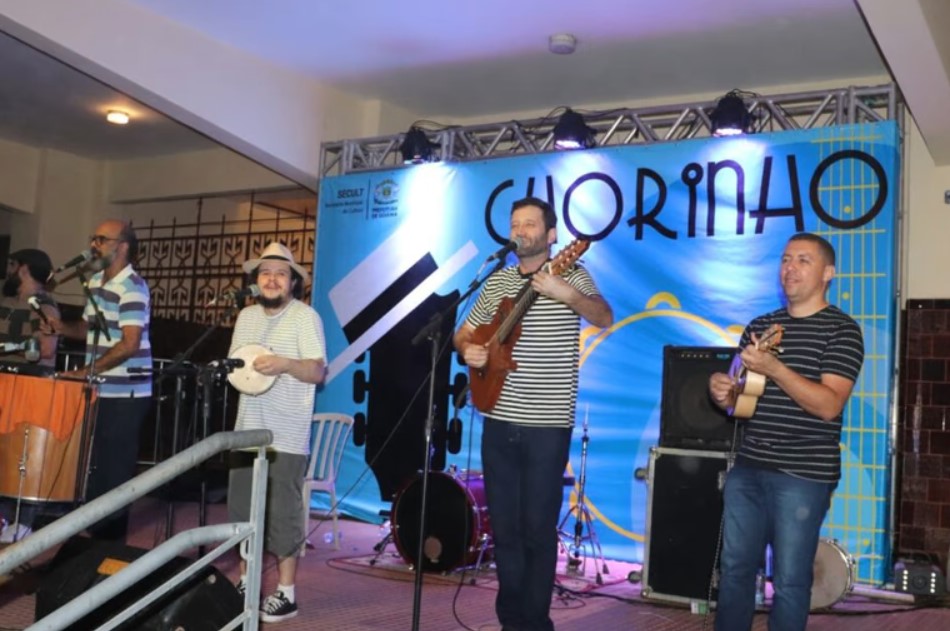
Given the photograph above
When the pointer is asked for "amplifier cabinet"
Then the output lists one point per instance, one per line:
(684, 513)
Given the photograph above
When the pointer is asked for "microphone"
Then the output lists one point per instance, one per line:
(511, 246)
(252, 291)
(229, 363)
(35, 306)
(12, 347)
(83, 257)
(31, 349)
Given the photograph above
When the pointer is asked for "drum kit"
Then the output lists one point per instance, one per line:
(835, 573)
(46, 427)
(457, 528)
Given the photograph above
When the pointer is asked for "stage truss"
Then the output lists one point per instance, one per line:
(619, 126)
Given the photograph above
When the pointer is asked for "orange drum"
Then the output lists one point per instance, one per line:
(41, 438)
(457, 524)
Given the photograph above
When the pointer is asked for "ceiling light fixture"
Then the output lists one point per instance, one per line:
(416, 147)
(730, 117)
(571, 132)
(117, 117)
(562, 43)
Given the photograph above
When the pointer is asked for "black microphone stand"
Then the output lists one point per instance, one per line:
(433, 332)
(180, 365)
(99, 326)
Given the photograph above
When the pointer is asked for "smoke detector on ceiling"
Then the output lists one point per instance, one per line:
(562, 43)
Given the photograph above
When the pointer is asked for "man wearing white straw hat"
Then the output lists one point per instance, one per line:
(294, 357)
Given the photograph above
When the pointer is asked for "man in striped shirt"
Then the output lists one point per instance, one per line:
(292, 332)
(789, 461)
(527, 435)
(122, 296)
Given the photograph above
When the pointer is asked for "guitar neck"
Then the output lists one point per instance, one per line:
(524, 300)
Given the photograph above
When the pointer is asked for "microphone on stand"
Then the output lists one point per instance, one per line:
(230, 362)
(232, 295)
(31, 349)
(511, 246)
(83, 257)
(34, 303)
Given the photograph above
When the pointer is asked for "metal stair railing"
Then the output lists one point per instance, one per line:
(248, 534)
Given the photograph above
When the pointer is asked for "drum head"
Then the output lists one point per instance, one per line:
(245, 379)
(451, 525)
(834, 575)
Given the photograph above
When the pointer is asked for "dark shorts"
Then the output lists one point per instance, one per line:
(283, 513)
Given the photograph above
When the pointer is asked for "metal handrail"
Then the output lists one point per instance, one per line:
(230, 534)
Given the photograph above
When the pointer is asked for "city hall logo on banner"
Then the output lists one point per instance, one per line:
(385, 196)
(386, 192)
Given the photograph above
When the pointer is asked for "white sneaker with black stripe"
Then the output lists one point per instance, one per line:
(277, 608)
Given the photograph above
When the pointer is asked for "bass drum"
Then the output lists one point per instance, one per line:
(457, 525)
(834, 575)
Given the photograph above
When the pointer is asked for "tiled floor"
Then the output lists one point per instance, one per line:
(340, 591)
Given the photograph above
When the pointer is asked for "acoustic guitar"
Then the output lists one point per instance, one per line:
(499, 335)
(748, 386)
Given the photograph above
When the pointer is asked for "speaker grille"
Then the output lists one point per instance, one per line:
(688, 418)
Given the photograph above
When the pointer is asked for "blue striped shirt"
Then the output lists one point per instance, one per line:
(124, 301)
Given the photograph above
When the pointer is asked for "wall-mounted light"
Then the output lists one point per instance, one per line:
(117, 117)
(571, 132)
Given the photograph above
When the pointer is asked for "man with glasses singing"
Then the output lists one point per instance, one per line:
(124, 399)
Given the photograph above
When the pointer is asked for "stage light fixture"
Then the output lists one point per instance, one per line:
(571, 132)
(919, 577)
(416, 147)
(731, 117)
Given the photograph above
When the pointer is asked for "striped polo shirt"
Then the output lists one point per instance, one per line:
(780, 435)
(543, 389)
(124, 301)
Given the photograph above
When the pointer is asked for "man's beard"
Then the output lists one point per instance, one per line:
(273, 303)
(11, 286)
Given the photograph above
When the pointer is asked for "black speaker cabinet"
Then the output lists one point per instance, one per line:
(688, 418)
(684, 510)
(205, 602)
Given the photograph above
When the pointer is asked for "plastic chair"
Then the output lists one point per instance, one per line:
(328, 435)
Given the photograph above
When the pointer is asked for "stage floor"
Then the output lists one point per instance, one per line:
(340, 590)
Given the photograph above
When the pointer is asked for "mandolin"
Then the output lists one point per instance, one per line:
(748, 386)
(499, 335)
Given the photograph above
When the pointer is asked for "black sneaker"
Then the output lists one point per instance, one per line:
(277, 608)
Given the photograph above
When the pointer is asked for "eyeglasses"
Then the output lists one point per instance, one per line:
(99, 239)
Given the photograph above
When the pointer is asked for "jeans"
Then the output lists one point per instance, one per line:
(524, 472)
(764, 506)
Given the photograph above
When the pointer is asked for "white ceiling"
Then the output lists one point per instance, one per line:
(44, 103)
(463, 59)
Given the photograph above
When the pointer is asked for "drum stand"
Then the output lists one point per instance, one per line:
(577, 544)
(21, 472)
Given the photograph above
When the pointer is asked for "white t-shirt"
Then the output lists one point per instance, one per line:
(287, 407)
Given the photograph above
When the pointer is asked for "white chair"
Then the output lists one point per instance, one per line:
(328, 435)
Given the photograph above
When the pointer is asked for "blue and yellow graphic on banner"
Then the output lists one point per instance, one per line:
(686, 239)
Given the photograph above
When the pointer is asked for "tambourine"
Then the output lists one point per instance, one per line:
(245, 379)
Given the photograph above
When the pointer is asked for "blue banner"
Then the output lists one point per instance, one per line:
(686, 240)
